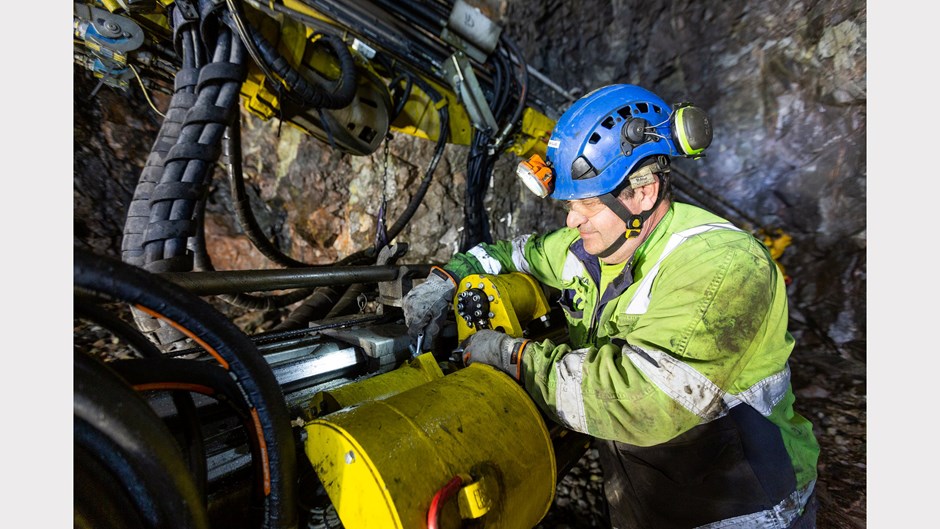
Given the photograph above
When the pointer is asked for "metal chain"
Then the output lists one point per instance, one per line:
(385, 170)
(381, 234)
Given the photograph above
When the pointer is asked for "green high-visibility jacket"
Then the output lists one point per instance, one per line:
(694, 327)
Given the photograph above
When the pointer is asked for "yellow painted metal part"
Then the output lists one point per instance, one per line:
(475, 499)
(383, 461)
(517, 300)
(776, 243)
(420, 370)
(534, 134)
(420, 117)
(112, 5)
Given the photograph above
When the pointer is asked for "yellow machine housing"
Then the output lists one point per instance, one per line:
(504, 302)
(384, 461)
(420, 370)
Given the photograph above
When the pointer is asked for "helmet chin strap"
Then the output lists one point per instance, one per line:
(634, 222)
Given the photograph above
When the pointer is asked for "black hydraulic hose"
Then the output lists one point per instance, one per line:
(415, 14)
(403, 98)
(116, 429)
(315, 307)
(116, 326)
(113, 280)
(242, 202)
(522, 80)
(160, 219)
(319, 301)
(483, 153)
(501, 88)
(274, 66)
(205, 378)
(193, 438)
(188, 47)
(188, 162)
(443, 135)
(339, 95)
(138, 213)
(203, 262)
(348, 303)
(479, 169)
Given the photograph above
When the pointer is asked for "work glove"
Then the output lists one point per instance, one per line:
(426, 307)
(496, 349)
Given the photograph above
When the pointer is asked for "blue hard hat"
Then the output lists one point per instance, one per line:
(602, 137)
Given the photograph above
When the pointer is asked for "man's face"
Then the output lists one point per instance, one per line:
(598, 225)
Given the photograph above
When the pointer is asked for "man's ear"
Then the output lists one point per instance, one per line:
(646, 195)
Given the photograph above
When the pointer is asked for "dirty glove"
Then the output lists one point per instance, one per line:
(496, 349)
(426, 306)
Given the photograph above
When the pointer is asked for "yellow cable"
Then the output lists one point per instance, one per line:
(144, 89)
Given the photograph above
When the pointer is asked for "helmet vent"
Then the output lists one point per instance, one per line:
(608, 123)
(595, 138)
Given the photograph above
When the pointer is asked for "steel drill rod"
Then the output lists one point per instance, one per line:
(239, 281)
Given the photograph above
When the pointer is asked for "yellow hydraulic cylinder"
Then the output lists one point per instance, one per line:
(385, 462)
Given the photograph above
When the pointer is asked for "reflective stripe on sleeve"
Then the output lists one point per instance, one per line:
(696, 393)
(490, 264)
(641, 299)
(782, 514)
(569, 402)
(573, 267)
(518, 253)
(767, 393)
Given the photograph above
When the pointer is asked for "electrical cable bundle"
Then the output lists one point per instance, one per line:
(509, 82)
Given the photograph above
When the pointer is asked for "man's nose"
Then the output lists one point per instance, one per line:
(575, 219)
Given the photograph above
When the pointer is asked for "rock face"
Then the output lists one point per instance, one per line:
(784, 84)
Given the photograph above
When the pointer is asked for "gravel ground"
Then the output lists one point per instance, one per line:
(579, 497)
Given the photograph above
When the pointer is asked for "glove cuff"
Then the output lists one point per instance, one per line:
(444, 274)
(516, 352)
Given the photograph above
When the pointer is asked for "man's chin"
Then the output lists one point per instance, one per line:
(593, 247)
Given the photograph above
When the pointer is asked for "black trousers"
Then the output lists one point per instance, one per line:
(727, 468)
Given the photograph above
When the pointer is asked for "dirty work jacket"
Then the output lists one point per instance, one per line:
(681, 363)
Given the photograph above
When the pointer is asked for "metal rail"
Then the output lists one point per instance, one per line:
(239, 281)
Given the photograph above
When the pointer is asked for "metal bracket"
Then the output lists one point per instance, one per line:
(465, 84)
(391, 292)
(187, 9)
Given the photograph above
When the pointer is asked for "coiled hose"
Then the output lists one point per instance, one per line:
(110, 280)
(161, 219)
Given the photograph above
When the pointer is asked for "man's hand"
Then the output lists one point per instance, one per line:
(496, 349)
(426, 307)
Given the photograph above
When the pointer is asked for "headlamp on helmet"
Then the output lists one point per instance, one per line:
(537, 175)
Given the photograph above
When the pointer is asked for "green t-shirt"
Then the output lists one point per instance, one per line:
(609, 272)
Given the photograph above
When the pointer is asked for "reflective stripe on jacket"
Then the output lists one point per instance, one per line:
(694, 327)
